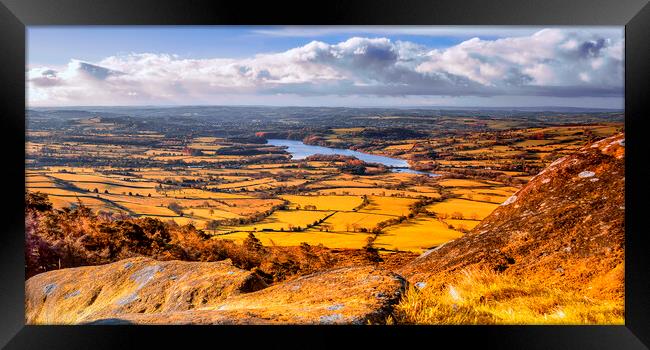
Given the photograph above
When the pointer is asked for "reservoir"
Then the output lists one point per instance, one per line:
(299, 150)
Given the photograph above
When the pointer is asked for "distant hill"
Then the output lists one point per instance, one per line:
(263, 112)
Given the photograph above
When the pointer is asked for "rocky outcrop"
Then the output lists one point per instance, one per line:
(144, 291)
(137, 285)
(565, 226)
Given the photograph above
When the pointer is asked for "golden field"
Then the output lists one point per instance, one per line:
(282, 195)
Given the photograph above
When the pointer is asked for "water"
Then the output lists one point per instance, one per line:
(299, 150)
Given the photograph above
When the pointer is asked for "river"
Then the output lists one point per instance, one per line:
(300, 150)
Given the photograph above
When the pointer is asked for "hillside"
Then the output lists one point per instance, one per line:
(566, 223)
(563, 232)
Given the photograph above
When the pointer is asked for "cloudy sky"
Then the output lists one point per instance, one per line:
(326, 66)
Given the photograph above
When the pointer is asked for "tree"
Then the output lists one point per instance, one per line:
(212, 225)
(175, 207)
(253, 243)
(457, 215)
(372, 253)
(37, 201)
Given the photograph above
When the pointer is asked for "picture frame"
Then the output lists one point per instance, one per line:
(15, 15)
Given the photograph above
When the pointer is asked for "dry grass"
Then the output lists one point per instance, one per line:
(485, 297)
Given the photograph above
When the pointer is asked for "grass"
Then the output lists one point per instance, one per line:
(485, 297)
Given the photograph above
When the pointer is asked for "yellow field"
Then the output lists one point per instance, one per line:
(403, 147)
(351, 221)
(462, 224)
(533, 143)
(180, 220)
(112, 188)
(345, 203)
(245, 183)
(36, 178)
(388, 205)
(144, 209)
(67, 201)
(496, 196)
(346, 130)
(201, 194)
(209, 213)
(312, 237)
(462, 183)
(370, 191)
(469, 209)
(416, 235)
(340, 183)
(284, 220)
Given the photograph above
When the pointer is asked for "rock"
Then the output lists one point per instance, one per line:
(515, 242)
(137, 285)
(341, 296)
(145, 291)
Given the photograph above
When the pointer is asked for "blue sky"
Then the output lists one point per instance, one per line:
(274, 65)
(58, 44)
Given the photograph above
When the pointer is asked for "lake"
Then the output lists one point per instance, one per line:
(300, 150)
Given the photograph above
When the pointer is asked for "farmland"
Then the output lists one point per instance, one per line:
(216, 171)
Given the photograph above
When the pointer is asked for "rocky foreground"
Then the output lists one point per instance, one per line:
(146, 291)
(565, 227)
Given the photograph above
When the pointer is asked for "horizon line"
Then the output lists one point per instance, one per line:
(325, 106)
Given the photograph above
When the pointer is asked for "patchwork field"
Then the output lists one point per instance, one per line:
(230, 186)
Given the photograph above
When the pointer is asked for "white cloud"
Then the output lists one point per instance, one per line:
(550, 62)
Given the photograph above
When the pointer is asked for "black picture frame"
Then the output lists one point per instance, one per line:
(15, 15)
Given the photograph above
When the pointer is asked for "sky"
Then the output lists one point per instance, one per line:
(353, 66)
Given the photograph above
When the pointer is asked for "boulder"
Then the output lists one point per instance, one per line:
(136, 285)
(145, 291)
